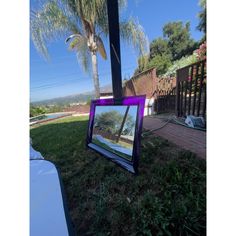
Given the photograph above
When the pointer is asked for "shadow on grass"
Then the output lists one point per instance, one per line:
(167, 197)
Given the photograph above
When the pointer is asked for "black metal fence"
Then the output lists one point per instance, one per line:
(191, 90)
(166, 102)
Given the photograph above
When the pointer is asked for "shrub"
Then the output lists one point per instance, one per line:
(161, 62)
(184, 61)
(201, 52)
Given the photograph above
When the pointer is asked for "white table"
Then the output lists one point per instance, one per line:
(47, 209)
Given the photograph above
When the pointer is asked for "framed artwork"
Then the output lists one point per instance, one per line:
(114, 129)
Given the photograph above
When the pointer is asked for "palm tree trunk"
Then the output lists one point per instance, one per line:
(95, 74)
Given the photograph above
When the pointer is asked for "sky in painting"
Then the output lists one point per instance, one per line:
(63, 76)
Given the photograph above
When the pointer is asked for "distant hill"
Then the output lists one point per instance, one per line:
(76, 98)
(106, 89)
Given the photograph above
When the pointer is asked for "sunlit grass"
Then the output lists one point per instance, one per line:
(168, 197)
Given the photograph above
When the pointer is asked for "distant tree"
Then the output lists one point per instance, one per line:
(85, 24)
(159, 47)
(161, 62)
(32, 112)
(160, 55)
(178, 38)
(142, 64)
(37, 110)
(88, 102)
(164, 51)
(111, 122)
(202, 16)
(56, 108)
(108, 121)
(184, 61)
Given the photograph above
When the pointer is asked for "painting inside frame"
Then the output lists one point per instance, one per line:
(115, 129)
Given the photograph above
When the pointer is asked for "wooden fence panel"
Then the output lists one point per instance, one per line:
(195, 90)
(191, 90)
(200, 89)
(185, 95)
(166, 95)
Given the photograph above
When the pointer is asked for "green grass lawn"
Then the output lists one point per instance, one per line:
(168, 197)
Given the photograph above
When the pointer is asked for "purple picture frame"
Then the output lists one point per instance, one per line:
(138, 101)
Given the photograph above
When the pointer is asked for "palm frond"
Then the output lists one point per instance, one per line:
(88, 27)
(83, 53)
(93, 10)
(101, 47)
(79, 45)
(74, 44)
(73, 36)
(132, 32)
(48, 24)
(38, 39)
(92, 14)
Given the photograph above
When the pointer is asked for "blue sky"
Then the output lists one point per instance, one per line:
(63, 76)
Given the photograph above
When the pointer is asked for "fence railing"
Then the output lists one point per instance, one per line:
(165, 101)
(166, 93)
(191, 90)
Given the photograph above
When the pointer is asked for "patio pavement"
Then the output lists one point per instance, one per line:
(189, 139)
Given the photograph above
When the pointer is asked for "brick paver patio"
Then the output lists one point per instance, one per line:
(189, 139)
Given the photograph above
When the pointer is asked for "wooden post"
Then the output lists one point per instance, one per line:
(185, 95)
(190, 90)
(114, 36)
(122, 124)
(177, 95)
(200, 89)
(181, 98)
(195, 89)
(204, 104)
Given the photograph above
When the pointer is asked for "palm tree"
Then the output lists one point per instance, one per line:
(202, 17)
(85, 22)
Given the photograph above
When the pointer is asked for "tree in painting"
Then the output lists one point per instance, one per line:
(111, 122)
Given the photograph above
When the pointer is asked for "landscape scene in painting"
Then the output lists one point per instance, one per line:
(114, 129)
